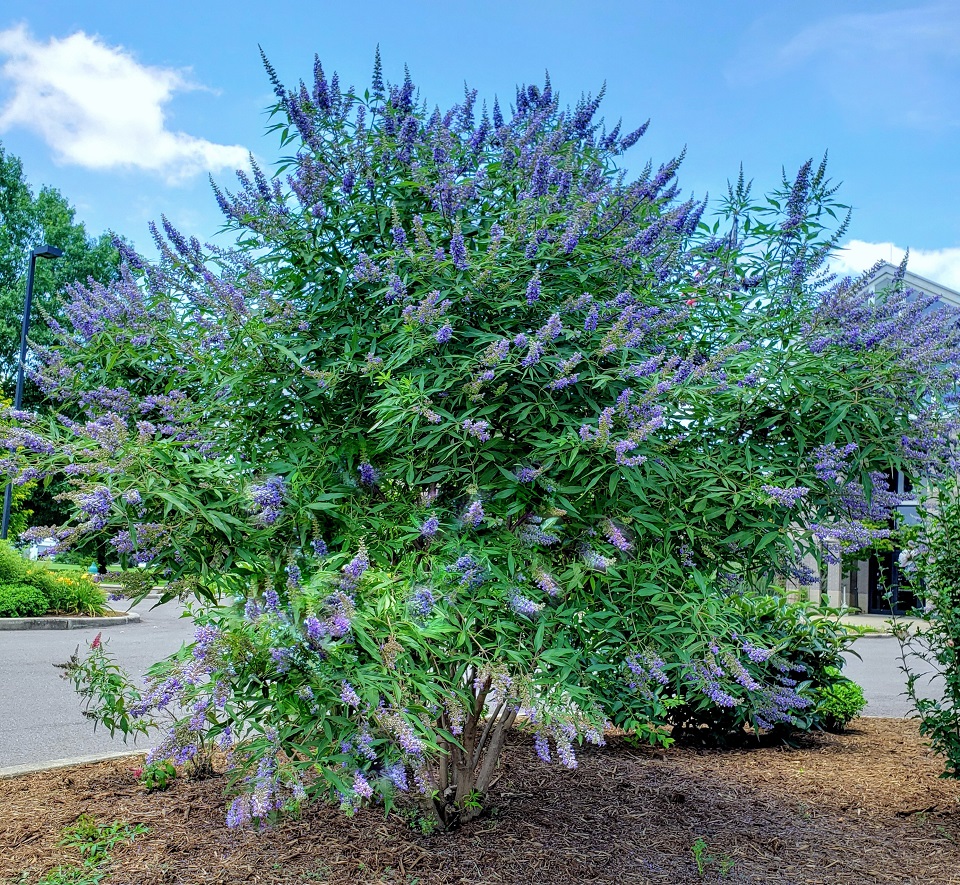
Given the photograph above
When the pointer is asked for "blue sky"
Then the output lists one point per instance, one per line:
(126, 107)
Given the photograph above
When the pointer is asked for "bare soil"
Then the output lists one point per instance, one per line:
(859, 808)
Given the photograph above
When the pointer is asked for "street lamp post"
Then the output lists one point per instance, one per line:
(44, 251)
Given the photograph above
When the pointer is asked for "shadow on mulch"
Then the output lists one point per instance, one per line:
(864, 807)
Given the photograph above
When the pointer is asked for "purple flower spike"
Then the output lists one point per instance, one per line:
(368, 476)
(474, 514)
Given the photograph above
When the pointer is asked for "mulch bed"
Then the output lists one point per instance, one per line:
(864, 807)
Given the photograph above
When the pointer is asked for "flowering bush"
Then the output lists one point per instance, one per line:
(466, 417)
(757, 662)
(932, 560)
(30, 590)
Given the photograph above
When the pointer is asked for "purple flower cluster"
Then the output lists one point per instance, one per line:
(354, 570)
(831, 462)
(429, 310)
(422, 602)
(479, 429)
(473, 516)
(268, 500)
(458, 250)
(470, 570)
(429, 527)
(757, 655)
(546, 582)
(616, 537)
(524, 606)
(368, 475)
(349, 697)
(646, 673)
(533, 290)
(786, 497)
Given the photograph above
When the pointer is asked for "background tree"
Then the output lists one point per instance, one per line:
(26, 221)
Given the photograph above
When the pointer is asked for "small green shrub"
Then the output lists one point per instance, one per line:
(74, 557)
(158, 775)
(42, 578)
(21, 601)
(838, 702)
(13, 567)
(108, 693)
(95, 841)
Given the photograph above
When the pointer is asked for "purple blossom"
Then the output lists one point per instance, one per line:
(397, 775)
(474, 514)
(294, 576)
(542, 746)
(524, 606)
(429, 527)
(458, 251)
(546, 583)
(360, 786)
(786, 497)
(444, 333)
(348, 695)
(616, 537)
(268, 499)
(533, 290)
(756, 654)
(368, 476)
(354, 570)
(479, 429)
(422, 602)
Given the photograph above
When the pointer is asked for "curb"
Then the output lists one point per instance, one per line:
(67, 623)
(69, 762)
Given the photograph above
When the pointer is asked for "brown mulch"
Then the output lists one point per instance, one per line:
(864, 807)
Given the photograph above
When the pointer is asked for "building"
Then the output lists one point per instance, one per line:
(870, 585)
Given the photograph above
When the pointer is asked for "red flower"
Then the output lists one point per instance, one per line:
(96, 640)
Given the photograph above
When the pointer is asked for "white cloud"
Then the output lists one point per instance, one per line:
(938, 265)
(96, 106)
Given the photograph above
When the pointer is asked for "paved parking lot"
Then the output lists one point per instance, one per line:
(40, 714)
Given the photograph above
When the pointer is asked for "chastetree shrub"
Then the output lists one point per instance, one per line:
(468, 424)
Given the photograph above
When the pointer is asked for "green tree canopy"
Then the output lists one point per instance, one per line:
(26, 221)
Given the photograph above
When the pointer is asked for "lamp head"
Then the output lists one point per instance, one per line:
(47, 251)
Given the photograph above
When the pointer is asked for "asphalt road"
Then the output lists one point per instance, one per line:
(877, 670)
(40, 714)
(41, 721)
